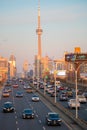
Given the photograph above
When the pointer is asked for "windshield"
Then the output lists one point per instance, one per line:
(28, 111)
(8, 105)
(54, 116)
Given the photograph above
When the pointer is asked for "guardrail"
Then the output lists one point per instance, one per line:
(79, 121)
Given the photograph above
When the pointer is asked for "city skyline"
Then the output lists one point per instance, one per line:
(64, 23)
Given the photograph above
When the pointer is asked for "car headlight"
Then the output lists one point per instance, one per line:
(49, 120)
(59, 120)
(4, 108)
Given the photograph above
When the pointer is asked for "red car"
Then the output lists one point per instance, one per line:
(15, 86)
(61, 88)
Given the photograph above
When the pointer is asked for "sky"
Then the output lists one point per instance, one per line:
(64, 24)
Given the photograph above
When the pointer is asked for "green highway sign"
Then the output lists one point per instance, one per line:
(74, 57)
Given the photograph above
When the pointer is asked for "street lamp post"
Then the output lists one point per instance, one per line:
(33, 72)
(76, 73)
(55, 72)
(76, 94)
(44, 86)
(55, 87)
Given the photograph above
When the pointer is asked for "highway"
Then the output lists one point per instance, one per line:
(14, 121)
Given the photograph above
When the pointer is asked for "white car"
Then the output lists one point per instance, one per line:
(35, 98)
(82, 99)
(72, 103)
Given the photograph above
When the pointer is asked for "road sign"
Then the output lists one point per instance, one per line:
(75, 57)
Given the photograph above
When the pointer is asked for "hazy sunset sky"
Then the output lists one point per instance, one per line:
(64, 24)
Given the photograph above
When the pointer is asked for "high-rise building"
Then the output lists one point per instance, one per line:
(12, 66)
(3, 69)
(25, 68)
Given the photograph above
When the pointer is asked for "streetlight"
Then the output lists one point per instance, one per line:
(76, 72)
(76, 94)
(44, 86)
(38, 71)
(33, 72)
(55, 72)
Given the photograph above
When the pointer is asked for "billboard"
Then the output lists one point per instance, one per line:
(61, 73)
(75, 57)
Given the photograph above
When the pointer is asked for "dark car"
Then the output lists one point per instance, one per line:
(19, 94)
(85, 94)
(53, 118)
(8, 107)
(28, 114)
(63, 97)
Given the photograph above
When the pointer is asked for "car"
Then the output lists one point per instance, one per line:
(69, 93)
(61, 88)
(50, 90)
(26, 86)
(5, 94)
(28, 114)
(19, 94)
(29, 90)
(8, 89)
(35, 98)
(63, 97)
(15, 86)
(35, 82)
(82, 99)
(53, 118)
(85, 94)
(41, 86)
(53, 94)
(72, 103)
(8, 107)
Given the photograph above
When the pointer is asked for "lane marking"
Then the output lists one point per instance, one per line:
(15, 112)
(39, 121)
(16, 122)
(44, 128)
(37, 116)
(15, 117)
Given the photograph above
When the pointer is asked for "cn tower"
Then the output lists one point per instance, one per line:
(39, 33)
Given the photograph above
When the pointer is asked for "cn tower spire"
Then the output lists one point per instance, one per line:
(39, 33)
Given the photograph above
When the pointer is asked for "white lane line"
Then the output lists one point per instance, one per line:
(17, 128)
(39, 121)
(37, 116)
(16, 122)
(15, 112)
(15, 117)
(44, 128)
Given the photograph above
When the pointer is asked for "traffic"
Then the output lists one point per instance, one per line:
(23, 111)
